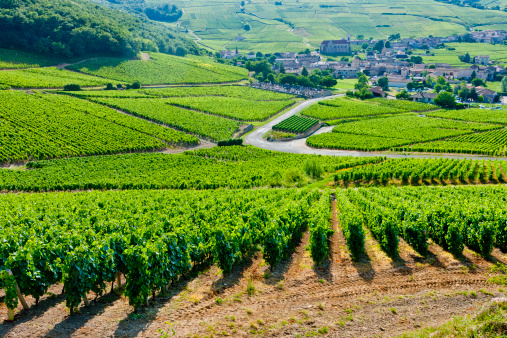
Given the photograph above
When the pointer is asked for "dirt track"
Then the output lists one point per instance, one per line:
(375, 297)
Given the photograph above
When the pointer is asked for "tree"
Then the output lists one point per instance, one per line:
(360, 37)
(384, 83)
(387, 44)
(181, 51)
(432, 67)
(110, 86)
(478, 82)
(473, 76)
(136, 85)
(379, 46)
(258, 55)
(403, 95)
(410, 86)
(445, 99)
(466, 58)
(282, 69)
(416, 59)
(441, 81)
(271, 78)
(504, 84)
(429, 81)
(304, 72)
(72, 87)
(362, 82)
(364, 46)
(328, 82)
(247, 27)
(438, 88)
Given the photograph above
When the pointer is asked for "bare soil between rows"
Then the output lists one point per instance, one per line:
(375, 297)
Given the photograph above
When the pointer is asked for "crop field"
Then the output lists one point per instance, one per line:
(48, 78)
(344, 107)
(295, 124)
(84, 261)
(241, 92)
(497, 52)
(45, 126)
(472, 115)
(161, 111)
(426, 171)
(389, 132)
(14, 59)
(230, 167)
(161, 69)
(489, 143)
(451, 217)
(287, 26)
(235, 108)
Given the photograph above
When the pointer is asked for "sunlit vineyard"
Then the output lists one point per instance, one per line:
(426, 171)
(345, 107)
(227, 167)
(451, 217)
(36, 126)
(48, 78)
(295, 124)
(151, 237)
(474, 115)
(396, 131)
(161, 69)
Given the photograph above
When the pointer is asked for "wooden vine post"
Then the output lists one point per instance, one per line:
(10, 312)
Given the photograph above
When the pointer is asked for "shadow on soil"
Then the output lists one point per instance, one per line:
(364, 268)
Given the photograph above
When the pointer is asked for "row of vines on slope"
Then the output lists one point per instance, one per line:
(152, 237)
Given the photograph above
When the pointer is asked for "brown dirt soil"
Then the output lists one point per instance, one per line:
(377, 296)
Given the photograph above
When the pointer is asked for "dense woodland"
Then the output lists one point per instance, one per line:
(80, 28)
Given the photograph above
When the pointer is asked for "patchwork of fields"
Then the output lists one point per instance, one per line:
(289, 25)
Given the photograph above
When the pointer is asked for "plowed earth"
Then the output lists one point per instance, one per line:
(377, 296)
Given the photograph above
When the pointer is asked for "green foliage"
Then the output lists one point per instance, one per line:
(313, 169)
(295, 124)
(45, 126)
(72, 87)
(319, 217)
(351, 222)
(445, 99)
(231, 167)
(79, 28)
(161, 69)
(231, 142)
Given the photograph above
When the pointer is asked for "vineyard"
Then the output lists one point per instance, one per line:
(86, 240)
(473, 115)
(295, 124)
(161, 69)
(160, 110)
(451, 217)
(426, 171)
(35, 126)
(48, 78)
(15, 59)
(390, 132)
(345, 107)
(228, 167)
(489, 143)
(241, 92)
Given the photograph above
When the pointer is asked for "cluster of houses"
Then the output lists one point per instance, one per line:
(305, 92)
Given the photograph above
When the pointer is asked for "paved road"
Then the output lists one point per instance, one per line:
(299, 146)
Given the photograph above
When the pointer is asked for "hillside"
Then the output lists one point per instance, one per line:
(79, 28)
(270, 26)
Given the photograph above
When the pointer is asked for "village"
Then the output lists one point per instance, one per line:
(394, 62)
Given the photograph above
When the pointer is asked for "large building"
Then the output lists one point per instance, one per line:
(335, 47)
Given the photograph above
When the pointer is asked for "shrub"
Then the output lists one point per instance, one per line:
(231, 142)
(72, 87)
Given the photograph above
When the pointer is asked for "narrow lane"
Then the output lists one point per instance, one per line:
(299, 146)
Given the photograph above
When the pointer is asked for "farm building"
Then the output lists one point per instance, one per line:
(335, 47)
(424, 97)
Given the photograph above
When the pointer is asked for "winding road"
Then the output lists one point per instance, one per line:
(299, 146)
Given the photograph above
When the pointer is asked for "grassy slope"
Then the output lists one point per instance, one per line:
(497, 53)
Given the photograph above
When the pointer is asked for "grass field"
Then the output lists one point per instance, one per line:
(162, 69)
(14, 59)
(294, 23)
(48, 78)
(496, 52)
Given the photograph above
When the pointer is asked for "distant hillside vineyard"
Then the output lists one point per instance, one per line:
(78, 28)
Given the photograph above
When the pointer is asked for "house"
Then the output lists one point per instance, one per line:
(424, 97)
(229, 54)
(251, 55)
(346, 72)
(370, 56)
(482, 60)
(335, 47)
(378, 92)
(398, 81)
(489, 95)
(308, 59)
